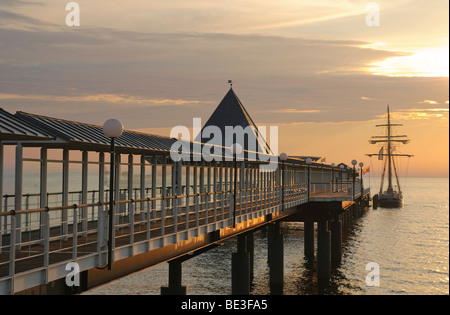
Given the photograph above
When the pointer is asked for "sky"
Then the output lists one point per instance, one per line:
(323, 71)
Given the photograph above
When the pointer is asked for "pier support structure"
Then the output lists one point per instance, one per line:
(336, 241)
(309, 239)
(276, 258)
(240, 268)
(251, 252)
(323, 252)
(175, 276)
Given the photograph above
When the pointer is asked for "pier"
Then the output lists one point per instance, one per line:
(164, 210)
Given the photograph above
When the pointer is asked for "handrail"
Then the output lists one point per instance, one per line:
(98, 204)
(105, 203)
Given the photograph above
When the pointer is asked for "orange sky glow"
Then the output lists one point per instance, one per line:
(315, 69)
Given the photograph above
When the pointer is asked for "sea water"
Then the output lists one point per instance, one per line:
(410, 246)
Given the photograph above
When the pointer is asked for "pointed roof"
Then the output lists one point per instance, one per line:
(231, 112)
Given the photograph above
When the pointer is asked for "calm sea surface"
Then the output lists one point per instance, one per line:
(410, 245)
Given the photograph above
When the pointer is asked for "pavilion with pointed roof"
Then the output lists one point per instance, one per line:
(231, 113)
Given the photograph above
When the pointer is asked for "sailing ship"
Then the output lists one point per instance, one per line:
(392, 197)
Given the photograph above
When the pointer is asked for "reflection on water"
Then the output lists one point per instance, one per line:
(411, 246)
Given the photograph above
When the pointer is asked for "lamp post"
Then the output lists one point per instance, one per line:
(112, 128)
(283, 158)
(308, 162)
(341, 176)
(361, 164)
(236, 149)
(354, 175)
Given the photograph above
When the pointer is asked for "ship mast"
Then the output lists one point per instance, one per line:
(389, 162)
(389, 152)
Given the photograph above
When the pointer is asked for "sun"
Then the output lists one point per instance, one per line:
(429, 62)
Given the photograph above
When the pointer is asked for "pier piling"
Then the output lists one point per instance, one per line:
(336, 241)
(175, 275)
(240, 268)
(323, 252)
(309, 239)
(276, 258)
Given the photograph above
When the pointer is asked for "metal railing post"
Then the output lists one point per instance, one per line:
(75, 232)
(65, 193)
(45, 216)
(131, 205)
(187, 202)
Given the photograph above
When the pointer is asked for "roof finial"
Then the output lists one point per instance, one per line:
(231, 83)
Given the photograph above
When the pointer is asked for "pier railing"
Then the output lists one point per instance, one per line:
(158, 201)
(37, 243)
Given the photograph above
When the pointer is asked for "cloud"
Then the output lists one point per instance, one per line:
(421, 114)
(428, 102)
(297, 111)
(108, 98)
(17, 3)
(165, 79)
(8, 19)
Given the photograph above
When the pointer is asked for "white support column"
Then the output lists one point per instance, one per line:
(12, 252)
(65, 193)
(265, 190)
(45, 228)
(241, 186)
(130, 196)
(221, 189)
(280, 182)
(202, 186)
(253, 186)
(75, 233)
(208, 190)
(18, 176)
(43, 195)
(102, 226)
(84, 189)
(174, 193)
(163, 194)
(188, 190)
(142, 194)
(208, 181)
(215, 194)
(179, 166)
(226, 188)
(116, 192)
(154, 183)
(259, 190)
(248, 185)
(179, 185)
(196, 198)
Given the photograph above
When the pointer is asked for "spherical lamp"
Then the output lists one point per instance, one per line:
(112, 128)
